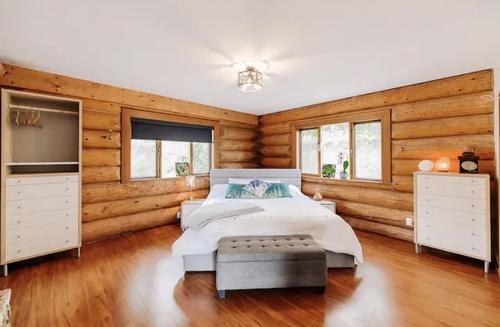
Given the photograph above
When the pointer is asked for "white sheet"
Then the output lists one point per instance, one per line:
(282, 216)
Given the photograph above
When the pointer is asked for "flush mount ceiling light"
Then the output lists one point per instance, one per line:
(250, 75)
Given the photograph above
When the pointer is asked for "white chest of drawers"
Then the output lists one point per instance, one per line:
(41, 215)
(452, 213)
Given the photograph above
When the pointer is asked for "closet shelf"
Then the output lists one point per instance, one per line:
(45, 163)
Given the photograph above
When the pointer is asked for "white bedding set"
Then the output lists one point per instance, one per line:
(281, 216)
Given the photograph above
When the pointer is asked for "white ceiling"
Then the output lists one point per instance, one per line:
(317, 50)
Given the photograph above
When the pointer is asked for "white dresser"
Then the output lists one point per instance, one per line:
(41, 215)
(452, 213)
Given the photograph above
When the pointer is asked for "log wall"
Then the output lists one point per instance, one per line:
(428, 120)
(109, 207)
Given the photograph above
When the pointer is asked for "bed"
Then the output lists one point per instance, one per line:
(281, 216)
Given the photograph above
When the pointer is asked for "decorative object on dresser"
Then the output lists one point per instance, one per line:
(40, 175)
(443, 164)
(187, 207)
(452, 213)
(469, 163)
(274, 261)
(425, 165)
(330, 205)
(317, 195)
(190, 182)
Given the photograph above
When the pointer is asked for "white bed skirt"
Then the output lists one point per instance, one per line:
(206, 262)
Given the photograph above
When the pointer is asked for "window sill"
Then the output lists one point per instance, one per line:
(152, 179)
(347, 182)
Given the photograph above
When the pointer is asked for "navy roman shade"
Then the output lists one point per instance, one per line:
(145, 129)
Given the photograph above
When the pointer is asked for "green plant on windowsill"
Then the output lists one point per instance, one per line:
(344, 174)
(328, 171)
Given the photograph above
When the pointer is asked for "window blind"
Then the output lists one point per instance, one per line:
(145, 129)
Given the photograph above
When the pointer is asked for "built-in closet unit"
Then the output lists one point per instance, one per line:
(40, 175)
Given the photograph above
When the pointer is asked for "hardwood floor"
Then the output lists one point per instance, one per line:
(134, 281)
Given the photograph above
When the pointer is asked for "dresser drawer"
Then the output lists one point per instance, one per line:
(471, 242)
(14, 208)
(451, 217)
(432, 180)
(33, 191)
(41, 219)
(448, 186)
(73, 178)
(40, 246)
(57, 230)
(448, 202)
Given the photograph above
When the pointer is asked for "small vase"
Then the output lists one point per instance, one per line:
(343, 175)
(318, 196)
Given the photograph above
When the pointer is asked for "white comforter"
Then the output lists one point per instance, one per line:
(282, 216)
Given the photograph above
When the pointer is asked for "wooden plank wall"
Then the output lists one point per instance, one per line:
(429, 120)
(110, 207)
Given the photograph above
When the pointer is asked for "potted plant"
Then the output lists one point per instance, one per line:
(344, 174)
(328, 170)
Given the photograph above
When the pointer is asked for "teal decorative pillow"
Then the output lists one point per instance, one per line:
(276, 190)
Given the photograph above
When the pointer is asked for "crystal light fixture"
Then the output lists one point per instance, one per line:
(250, 80)
(250, 75)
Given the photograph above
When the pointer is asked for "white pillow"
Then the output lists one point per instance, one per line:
(245, 181)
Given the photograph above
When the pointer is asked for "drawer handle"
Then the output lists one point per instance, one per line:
(473, 219)
(67, 241)
(427, 212)
(18, 192)
(67, 215)
(18, 207)
(427, 225)
(18, 251)
(67, 201)
(472, 205)
(473, 248)
(18, 237)
(67, 228)
(19, 181)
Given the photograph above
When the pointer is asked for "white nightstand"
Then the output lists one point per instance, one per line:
(330, 205)
(188, 206)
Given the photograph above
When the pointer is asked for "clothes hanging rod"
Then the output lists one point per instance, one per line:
(16, 106)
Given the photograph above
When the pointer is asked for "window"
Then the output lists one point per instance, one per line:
(350, 147)
(309, 151)
(143, 157)
(165, 159)
(153, 146)
(368, 150)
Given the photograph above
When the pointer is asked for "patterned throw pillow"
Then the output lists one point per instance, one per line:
(276, 190)
(257, 187)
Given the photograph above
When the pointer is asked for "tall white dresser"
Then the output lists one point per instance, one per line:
(40, 175)
(452, 213)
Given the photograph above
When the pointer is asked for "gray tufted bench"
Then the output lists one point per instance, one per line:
(254, 262)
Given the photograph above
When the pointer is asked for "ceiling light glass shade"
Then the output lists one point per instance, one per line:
(250, 80)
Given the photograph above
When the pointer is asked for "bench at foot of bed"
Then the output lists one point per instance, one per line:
(258, 262)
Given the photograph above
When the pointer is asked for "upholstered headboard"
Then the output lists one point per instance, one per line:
(289, 176)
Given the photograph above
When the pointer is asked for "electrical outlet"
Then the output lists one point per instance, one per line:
(409, 221)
